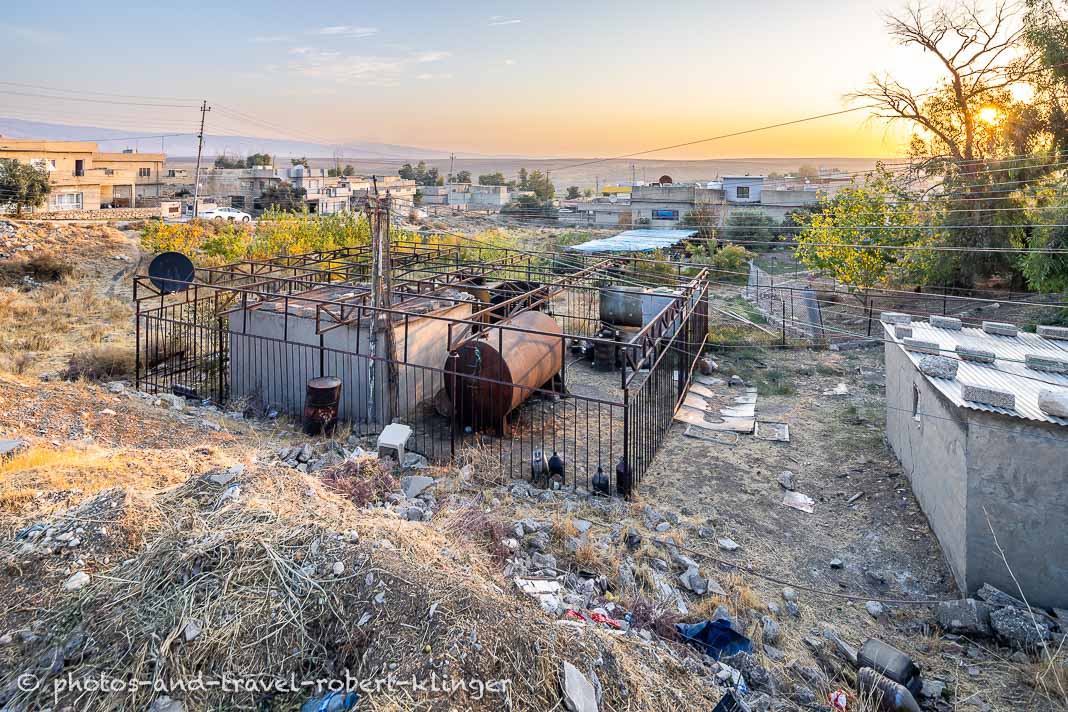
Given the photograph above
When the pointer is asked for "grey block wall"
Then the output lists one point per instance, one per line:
(932, 448)
(1018, 474)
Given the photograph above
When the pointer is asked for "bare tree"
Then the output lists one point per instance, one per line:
(982, 55)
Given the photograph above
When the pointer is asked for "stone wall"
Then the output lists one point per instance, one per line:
(110, 214)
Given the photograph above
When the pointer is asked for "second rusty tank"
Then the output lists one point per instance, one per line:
(489, 376)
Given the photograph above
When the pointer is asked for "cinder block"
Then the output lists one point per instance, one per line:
(1045, 363)
(1000, 328)
(988, 396)
(903, 332)
(926, 347)
(939, 367)
(1054, 402)
(392, 441)
(895, 318)
(978, 355)
(946, 322)
(1053, 332)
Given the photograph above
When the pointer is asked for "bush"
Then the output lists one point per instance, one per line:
(106, 361)
(42, 266)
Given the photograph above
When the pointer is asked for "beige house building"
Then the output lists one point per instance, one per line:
(84, 178)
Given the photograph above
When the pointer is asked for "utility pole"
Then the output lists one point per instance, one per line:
(633, 177)
(452, 166)
(204, 109)
(381, 321)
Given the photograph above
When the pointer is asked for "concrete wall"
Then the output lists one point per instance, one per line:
(932, 449)
(1017, 473)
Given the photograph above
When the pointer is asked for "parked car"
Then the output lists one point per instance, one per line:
(231, 214)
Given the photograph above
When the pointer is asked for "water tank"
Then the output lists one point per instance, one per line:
(490, 376)
(621, 306)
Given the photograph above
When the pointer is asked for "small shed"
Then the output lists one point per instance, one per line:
(977, 418)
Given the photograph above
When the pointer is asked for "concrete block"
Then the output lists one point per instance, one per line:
(895, 318)
(946, 322)
(967, 353)
(926, 347)
(988, 396)
(1053, 332)
(392, 440)
(903, 332)
(939, 367)
(964, 617)
(1049, 364)
(1000, 328)
(1054, 402)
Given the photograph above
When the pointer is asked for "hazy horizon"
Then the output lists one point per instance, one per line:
(544, 80)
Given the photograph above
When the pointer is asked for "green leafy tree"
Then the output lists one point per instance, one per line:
(541, 185)
(333, 172)
(23, 185)
(257, 160)
(867, 215)
(461, 177)
(302, 161)
(492, 179)
(225, 161)
(751, 227)
(348, 170)
(421, 174)
(524, 183)
(573, 192)
(283, 196)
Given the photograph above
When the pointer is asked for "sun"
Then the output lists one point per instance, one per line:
(989, 115)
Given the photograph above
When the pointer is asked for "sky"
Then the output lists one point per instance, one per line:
(544, 79)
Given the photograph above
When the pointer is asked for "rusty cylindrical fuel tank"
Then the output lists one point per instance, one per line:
(321, 401)
(492, 375)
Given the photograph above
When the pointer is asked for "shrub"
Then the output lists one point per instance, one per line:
(99, 362)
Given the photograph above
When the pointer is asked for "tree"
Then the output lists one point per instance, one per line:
(420, 174)
(257, 160)
(333, 172)
(705, 219)
(302, 161)
(530, 206)
(808, 171)
(461, 177)
(750, 226)
(866, 215)
(588, 193)
(492, 179)
(284, 197)
(348, 170)
(23, 184)
(225, 161)
(541, 185)
(524, 184)
(573, 192)
(969, 120)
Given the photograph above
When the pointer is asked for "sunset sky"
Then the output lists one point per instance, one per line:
(545, 79)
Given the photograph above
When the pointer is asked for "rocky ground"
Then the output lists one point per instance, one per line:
(150, 538)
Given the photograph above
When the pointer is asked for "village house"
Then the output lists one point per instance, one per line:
(85, 178)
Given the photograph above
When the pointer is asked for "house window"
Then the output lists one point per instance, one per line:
(67, 201)
(144, 172)
(171, 173)
(742, 192)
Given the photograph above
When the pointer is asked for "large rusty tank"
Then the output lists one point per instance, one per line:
(492, 374)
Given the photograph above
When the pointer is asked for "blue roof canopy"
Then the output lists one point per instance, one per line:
(636, 241)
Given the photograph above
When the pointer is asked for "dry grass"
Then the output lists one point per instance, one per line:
(40, 266)
(103, 362)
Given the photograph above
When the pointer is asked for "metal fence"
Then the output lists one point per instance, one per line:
(794, 310)
(199, 343)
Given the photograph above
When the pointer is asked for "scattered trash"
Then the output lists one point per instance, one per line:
(799, 501)
(776, 432)
(730, 703)
(579, 693)
(891, 662)
(545, 590)
(715, 638)
(854, 498)
(338, 701)
(724, 439)
(840, 390)
(788, 480)
(593, 616)
(76, 581)
(891, 696)
(839, 699)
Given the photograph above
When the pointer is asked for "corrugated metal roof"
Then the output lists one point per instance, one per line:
(1007, 373)
(636, 241)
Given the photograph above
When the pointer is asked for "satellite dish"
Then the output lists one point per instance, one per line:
(171, 272)
(666, 180)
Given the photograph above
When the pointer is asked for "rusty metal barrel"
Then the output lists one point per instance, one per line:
(490, 376)
(321, 399)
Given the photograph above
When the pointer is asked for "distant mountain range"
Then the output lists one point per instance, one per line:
(186, 145)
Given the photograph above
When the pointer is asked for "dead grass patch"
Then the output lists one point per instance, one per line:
(106, 361)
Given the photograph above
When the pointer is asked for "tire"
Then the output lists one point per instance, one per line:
(218, 217)
(246, 219)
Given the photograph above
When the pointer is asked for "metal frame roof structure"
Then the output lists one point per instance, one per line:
(636, 241)
(1008, 372)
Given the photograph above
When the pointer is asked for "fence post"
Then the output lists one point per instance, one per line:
(868, 304)
(783, 321)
